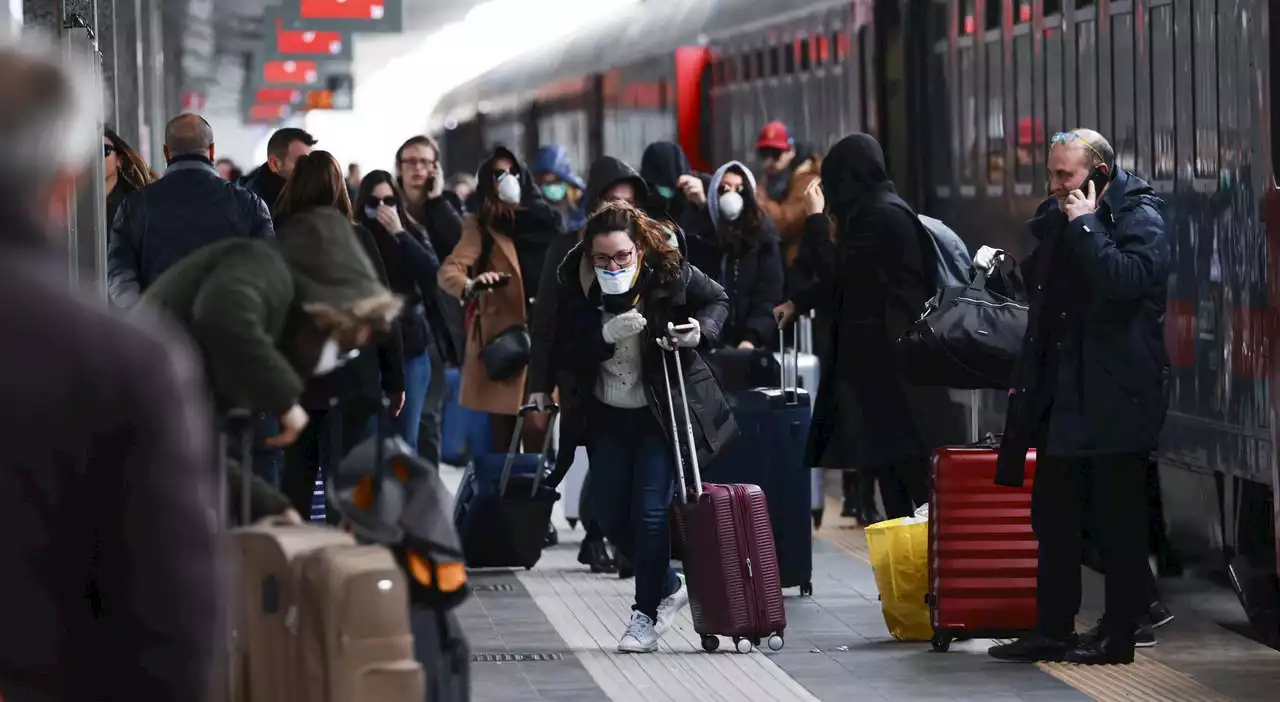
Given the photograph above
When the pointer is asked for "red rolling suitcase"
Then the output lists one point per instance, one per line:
(982, 550)
(735, 588)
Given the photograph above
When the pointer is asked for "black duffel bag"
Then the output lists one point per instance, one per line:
(969, 337)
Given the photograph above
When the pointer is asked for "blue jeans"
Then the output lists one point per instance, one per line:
(417, 380)
(632, 483)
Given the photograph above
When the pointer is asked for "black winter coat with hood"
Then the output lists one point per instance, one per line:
(1093, 378)
(580, 348)
(875, 280)
(662, 166)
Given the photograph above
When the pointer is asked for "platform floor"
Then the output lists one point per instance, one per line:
(549, 634)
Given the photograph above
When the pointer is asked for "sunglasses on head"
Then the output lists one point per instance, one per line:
(107, 150)
(1071, 138)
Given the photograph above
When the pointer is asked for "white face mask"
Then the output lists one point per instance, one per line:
(332, 358)
(731, 205)
(615, 282)
(509, 189)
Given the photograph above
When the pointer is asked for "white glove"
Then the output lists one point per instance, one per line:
(625, 325)
(687, 339)
(541, 400)
(986, 258)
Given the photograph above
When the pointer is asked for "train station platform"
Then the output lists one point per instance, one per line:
(549, 634)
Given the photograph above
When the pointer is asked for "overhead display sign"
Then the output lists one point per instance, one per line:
(287, 42)
(268, 114)
(345, 15)
(290, 73)
(277, 96)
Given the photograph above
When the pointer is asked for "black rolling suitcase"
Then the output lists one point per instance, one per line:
(773, 430)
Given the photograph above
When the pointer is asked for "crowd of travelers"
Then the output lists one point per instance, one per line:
(309, 296)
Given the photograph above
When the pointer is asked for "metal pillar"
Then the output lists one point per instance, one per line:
(153, 67)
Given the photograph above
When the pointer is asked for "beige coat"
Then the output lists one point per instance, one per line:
(496, 311)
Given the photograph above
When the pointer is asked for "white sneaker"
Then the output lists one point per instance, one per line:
(671, 606)
(640, 636)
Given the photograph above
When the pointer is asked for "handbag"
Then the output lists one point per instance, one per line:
(506, 354)
(969, 337)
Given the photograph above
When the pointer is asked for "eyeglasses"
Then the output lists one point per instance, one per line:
(107, 150)
(414, 163)
(622, 258)
(767, 154)
(498, 175)
(1072, 137)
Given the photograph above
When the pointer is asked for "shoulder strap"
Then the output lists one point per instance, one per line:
(486, 253)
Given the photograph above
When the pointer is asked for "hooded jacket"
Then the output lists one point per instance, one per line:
(785, 202)
(605, 173)
(1093, 378)
(535, 226)
(554, 159)
(873, 283)
(752, 277)
(662, 166)
(250, 304)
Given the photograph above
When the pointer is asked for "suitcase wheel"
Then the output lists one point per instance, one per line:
(743, 645)
(775, 642)
(806, 590)
(942, 641)
(710, 643)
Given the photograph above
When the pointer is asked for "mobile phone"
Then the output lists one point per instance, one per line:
(1099, 180)
(683, 328)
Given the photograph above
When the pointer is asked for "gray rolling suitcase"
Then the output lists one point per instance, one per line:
(808, 373)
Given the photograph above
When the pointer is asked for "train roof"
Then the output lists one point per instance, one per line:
(644, 30)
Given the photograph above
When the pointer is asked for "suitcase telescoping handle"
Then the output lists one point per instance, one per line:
(554, 410)
(790, 392)
(238, 425)
(675, 429)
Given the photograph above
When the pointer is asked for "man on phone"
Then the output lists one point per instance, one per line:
(1090, 394)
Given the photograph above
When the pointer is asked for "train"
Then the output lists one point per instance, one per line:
(963, 94)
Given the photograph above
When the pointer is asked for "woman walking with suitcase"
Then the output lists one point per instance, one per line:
(625, 294)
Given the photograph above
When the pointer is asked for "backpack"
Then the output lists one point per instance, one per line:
(951, 257)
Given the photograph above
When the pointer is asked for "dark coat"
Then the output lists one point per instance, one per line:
(412, 267)
(751, 272)
(379, 368)
(111, 572)
(1093, 378)
(606, 172)
(444, 230)
(662, 165)
(580, 348)
(875, 283)
(159, 225)
(266, 184)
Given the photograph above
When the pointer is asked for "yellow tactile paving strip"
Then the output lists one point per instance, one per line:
(1145, 680)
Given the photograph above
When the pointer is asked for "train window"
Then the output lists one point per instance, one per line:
(1162, 102)
(806, 54)
(1204, 22)
(1024, 12)
(761, 66)
(789, 60)
(966, 17)
(995, 15)
(1087, 74)
(1233, 64)
(775, 61)
(1024, 152)
(968, 109)
(995, 113)
(1055, 118)
(941, 130)
(1052, 7)
(1122, 134)
(837, 49)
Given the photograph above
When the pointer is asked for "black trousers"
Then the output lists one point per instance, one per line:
(317, 446)
(1106, 498)
(433, 410)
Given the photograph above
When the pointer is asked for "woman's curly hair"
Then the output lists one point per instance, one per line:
(648, 234)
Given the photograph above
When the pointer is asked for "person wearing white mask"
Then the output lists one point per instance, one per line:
(495, 270)
(741, 251)
(625, 296)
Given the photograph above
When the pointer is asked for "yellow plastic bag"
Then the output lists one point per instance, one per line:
(900, 558)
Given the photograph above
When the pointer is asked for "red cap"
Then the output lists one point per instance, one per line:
(774, 136)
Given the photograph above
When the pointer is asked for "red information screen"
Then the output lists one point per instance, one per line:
(268, 113)
(290, 41)
(278, 96)
(343, 9)
(291, 72)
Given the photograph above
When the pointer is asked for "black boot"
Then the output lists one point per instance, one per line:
(552, 536)
(626, 569)
(1034, 648)
(595, 553)
(1106, 648)
(868, 514)
(849, 490)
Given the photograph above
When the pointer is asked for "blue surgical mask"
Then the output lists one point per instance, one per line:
(370, 212)
(555, 192)
(665, 192)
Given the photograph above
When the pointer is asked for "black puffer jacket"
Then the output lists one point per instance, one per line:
(159, 225)
(412, 267)
(580, 349)
(662, 166)
(1093, 379)
(266, 184)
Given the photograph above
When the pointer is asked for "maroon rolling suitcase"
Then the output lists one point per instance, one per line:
(735, 588)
